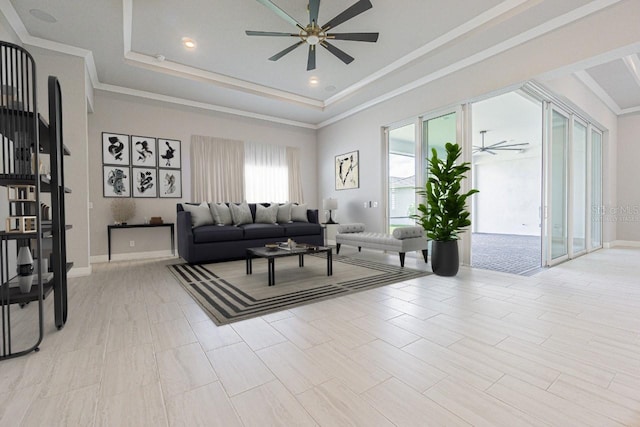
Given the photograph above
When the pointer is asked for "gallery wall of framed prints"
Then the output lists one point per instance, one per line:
(141, 166)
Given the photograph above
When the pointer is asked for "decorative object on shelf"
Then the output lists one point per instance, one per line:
(347, 171)
(123, 210)
(330, 205)
(25, 283)
(170, 183)
(169, 154)
(144, 182)
(45, 212)
(155, 220)
(116, 181)
(21, 193)
(24, 261)
(21, 224)
(143, 151)
(115, 149)
(445, 214)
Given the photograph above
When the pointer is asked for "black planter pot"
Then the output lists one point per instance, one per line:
(444, 258)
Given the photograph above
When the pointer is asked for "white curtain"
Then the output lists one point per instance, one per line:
(265, 173)
(217, 169)
(295, 180)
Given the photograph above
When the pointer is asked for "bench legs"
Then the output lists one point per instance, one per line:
(402, 259)
(337, 248)
(425, 254)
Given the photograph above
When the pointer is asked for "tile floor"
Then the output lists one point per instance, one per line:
(560, 348)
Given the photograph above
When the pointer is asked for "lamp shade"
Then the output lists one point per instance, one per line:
(330, 204)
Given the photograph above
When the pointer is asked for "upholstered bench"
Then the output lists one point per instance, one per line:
(403, 240)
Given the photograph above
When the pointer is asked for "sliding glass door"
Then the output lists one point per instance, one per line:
(579, 187)
(557, 226)
(401, 175)
(597, 209)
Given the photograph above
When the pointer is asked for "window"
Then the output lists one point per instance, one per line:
(266, 173)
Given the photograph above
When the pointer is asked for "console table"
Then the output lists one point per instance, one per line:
(117, 227)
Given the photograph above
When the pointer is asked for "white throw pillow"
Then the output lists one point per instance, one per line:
(299, 213)
(200, 215)
(221, 214)
(284, 213)
(241, 214)
(266, 215)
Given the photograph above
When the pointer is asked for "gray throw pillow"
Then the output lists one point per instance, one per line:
(299, 213)
(241, 214)
(221, 214)
(200, 215)
(284, 213)
(266, 215)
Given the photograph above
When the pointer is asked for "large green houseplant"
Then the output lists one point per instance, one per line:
(444, 215)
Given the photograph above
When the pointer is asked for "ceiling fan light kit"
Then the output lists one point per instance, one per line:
(314, 34)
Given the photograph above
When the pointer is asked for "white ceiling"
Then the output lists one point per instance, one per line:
(230, 71)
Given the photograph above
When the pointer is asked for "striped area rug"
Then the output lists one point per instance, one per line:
(228, 294)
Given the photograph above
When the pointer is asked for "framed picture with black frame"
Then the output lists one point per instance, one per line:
(347, 170)
(144, 182)
(116, 181)
(115, 149)
(170, 183)
(143, 151)
(169, 154)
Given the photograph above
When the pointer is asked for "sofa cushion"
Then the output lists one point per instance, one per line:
(262, 231)
(200, 214)
(221, 214)
(299, 213)
(301, 229)
(216, 233)
(266, 215)
(241, 213)
(284, 213)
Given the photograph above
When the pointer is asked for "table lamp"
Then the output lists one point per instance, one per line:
(330, 205)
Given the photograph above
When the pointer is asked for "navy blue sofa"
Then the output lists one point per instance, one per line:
(213, 243)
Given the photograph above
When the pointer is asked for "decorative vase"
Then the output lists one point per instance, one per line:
(25, 283)
(445, 259)
(25, 261)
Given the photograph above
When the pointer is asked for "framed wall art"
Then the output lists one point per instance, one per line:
(116, 181)
(144, 182)
(170, 183)
(115, 149)
(143, 151)
(347, 171)
(169, 154)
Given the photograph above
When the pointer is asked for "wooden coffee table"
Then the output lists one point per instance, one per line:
(271, 255)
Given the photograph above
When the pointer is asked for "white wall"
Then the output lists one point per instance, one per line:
(70, 71)
(628, 225)
(546, 53)
(134, 116)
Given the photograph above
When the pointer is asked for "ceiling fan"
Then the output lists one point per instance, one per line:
(313, 34)
(498, 146)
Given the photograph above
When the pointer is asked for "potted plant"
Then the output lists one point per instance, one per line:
(445, 214)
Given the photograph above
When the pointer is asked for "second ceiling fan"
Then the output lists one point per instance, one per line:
(314, 34)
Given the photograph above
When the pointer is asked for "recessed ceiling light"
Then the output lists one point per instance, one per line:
(189, 43)
(313, 81)
(43, 16)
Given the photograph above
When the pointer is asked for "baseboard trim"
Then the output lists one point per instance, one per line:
(80, 271)
(132, 256)
(621, 243)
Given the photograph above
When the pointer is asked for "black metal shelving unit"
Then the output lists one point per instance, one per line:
(24, 137)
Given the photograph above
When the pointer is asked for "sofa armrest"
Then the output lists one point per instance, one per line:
(185, 233)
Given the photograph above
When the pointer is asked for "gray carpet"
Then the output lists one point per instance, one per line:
(228, 294)
(508, 253)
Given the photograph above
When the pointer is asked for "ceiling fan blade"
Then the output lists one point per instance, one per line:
(281, 13)
(270, 33)
(356, 37)
(353, 11)
(314, 8)
(311, 60)
(284, 52)
(494, 147)
(508, 149)
(342, 55)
